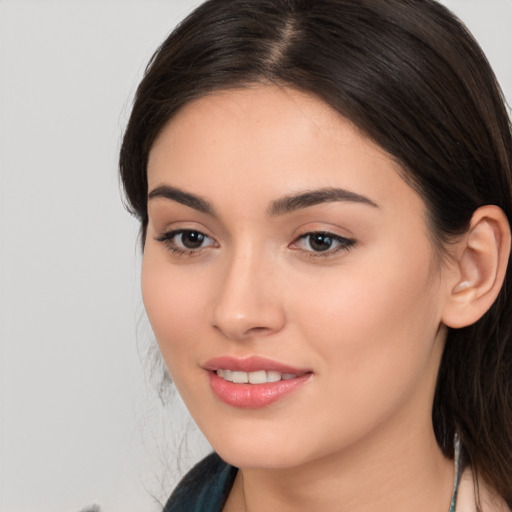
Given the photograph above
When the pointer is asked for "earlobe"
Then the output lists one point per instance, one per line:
(480, 267)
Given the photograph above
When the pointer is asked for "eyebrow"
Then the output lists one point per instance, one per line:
(278, 207)
(182, 197)
(311, 198)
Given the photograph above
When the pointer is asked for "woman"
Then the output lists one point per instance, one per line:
(324, 189)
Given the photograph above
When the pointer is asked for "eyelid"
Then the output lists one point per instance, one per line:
(323, 227)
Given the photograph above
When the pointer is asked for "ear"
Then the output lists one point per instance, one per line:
(481, 259)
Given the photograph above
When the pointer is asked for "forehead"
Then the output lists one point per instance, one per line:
(268, 140)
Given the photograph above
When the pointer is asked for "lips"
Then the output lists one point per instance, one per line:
(253, 382)
(250, 364)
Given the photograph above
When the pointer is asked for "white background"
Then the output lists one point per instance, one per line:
(79, 423)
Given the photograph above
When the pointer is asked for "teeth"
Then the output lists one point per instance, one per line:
(225, 374)
(258, 377)
(273, 376)
(240, 377)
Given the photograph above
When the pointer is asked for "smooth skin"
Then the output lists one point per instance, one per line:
(364, 306)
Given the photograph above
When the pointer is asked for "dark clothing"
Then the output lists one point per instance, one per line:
(205, 488)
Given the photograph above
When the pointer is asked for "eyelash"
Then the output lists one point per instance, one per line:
(170, 244)
(344, 244)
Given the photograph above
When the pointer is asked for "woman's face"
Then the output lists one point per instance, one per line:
(283, 247)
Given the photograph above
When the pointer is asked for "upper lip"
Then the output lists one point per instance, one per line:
(250, 364)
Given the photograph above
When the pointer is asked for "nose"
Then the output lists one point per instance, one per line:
(248, 300)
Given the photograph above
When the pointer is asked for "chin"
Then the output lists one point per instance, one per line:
(263, 452)
(258, 459)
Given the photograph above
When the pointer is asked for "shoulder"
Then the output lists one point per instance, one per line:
(204, 488)
(468, 496)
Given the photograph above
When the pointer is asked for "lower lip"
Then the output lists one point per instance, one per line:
(254, 396)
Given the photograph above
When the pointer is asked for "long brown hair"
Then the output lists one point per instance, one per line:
(411, 77)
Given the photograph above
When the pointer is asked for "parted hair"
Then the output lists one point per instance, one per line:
(411, 77)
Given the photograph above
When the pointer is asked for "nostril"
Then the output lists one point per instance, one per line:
(259, 330)
(243, 333)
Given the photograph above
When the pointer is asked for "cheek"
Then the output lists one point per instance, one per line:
(375, 321)
(172, 300)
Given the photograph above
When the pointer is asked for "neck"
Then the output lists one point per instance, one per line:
(409, 474)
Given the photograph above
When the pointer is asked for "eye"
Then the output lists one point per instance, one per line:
(322, 242)
(185, 241)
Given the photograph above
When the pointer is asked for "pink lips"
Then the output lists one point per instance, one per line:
(253, 396)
